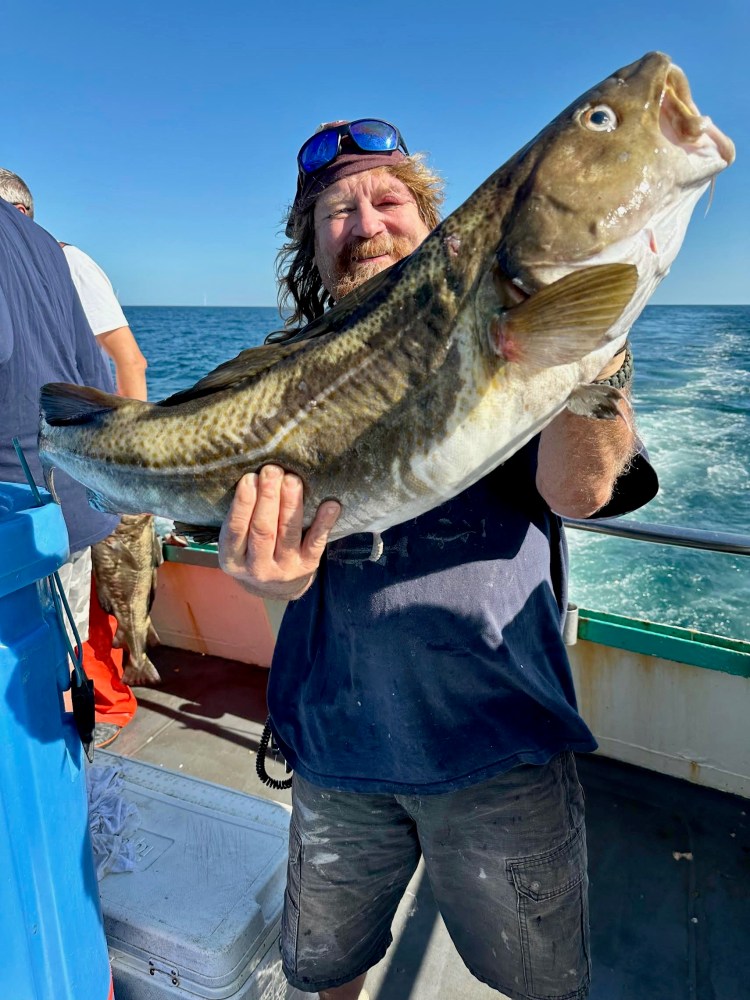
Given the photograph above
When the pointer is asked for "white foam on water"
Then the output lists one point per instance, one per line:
(692, 404)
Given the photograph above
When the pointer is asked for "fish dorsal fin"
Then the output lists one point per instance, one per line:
(254, 360)
(348, 308)
(567, 320)
(64, 403)
(247, 364)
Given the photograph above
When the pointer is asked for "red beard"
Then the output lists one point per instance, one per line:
(348, 276)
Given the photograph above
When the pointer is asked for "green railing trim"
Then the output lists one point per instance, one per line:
(669, 642)
(192, 555)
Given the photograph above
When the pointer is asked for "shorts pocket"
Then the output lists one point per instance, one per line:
(290, 914)
(552, 906)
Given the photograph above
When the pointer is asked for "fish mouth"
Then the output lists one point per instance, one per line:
(683, 124)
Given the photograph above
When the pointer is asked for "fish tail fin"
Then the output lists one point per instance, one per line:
(592, 400)
(604, 402)
(141, 672)
(62, 403)
(567, 320)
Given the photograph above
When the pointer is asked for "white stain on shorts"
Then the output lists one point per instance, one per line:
(323, 858)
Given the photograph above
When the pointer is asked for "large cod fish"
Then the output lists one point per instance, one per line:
(435, 371)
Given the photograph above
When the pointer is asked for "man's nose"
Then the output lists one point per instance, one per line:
(369, 222)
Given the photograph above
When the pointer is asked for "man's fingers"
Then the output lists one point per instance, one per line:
(265, 519)
(241, 509)
(317, 534)
(291, 511)
(261, 539)
(233, 534)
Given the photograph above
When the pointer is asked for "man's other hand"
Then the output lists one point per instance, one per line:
(261, 542)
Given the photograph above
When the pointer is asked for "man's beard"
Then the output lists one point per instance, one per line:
(349, 275)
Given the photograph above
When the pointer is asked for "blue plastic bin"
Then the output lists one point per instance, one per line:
(52, 944)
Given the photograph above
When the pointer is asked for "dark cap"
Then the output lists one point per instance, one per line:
(310, 186)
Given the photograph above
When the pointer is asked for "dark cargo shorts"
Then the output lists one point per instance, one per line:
(506, 859)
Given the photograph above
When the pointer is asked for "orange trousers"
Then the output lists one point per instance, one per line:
(114, 701)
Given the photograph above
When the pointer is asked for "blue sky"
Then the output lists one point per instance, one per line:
(161, 137)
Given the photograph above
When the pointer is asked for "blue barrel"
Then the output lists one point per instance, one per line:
(52, 942)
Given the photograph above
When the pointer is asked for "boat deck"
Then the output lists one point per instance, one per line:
(669, 861)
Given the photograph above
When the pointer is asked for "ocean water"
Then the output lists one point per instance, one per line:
(692, 403)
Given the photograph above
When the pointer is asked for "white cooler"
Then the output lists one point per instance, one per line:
(199, 916)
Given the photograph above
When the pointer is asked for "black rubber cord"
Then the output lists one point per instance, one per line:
(260, 761)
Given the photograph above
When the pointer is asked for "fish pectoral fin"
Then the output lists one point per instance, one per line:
(567, 320)
(200, 534)
(599, 401)
(63, 403)
(348, 308)
(252, 362)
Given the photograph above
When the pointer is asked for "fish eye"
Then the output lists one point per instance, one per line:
(600, 118)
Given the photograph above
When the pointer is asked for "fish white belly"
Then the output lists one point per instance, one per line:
(495, 414)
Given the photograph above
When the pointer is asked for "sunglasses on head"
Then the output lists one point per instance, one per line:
(370, 135)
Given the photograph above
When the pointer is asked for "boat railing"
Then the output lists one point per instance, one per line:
(664, 534)
(687, 645)
(641, 531)
(671, 698)
(632, 631)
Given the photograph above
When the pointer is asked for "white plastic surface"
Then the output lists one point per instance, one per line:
(199, 915)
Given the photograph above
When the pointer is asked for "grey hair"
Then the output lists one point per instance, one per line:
(14, 190)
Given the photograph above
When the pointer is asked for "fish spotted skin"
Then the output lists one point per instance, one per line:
(125, 565)
(435, 371)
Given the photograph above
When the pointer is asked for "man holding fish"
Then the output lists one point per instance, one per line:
(424, 700)
(467, 385)
(378, 784)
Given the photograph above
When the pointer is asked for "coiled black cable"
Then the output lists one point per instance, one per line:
(260, 760)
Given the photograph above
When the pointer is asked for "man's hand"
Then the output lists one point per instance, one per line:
(261, 543)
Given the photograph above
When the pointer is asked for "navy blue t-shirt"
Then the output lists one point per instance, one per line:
(442, 663)
(44, 337)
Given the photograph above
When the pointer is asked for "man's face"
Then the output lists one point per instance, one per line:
(363, 224)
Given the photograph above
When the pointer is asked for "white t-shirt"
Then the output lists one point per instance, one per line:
(95, 292)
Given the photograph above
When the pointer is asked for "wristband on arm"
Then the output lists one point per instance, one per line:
(624, 374)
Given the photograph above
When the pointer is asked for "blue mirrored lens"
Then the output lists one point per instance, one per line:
(370, 135)
(319, 150)
(373, 135)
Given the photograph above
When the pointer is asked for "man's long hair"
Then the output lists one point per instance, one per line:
(301, 290)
